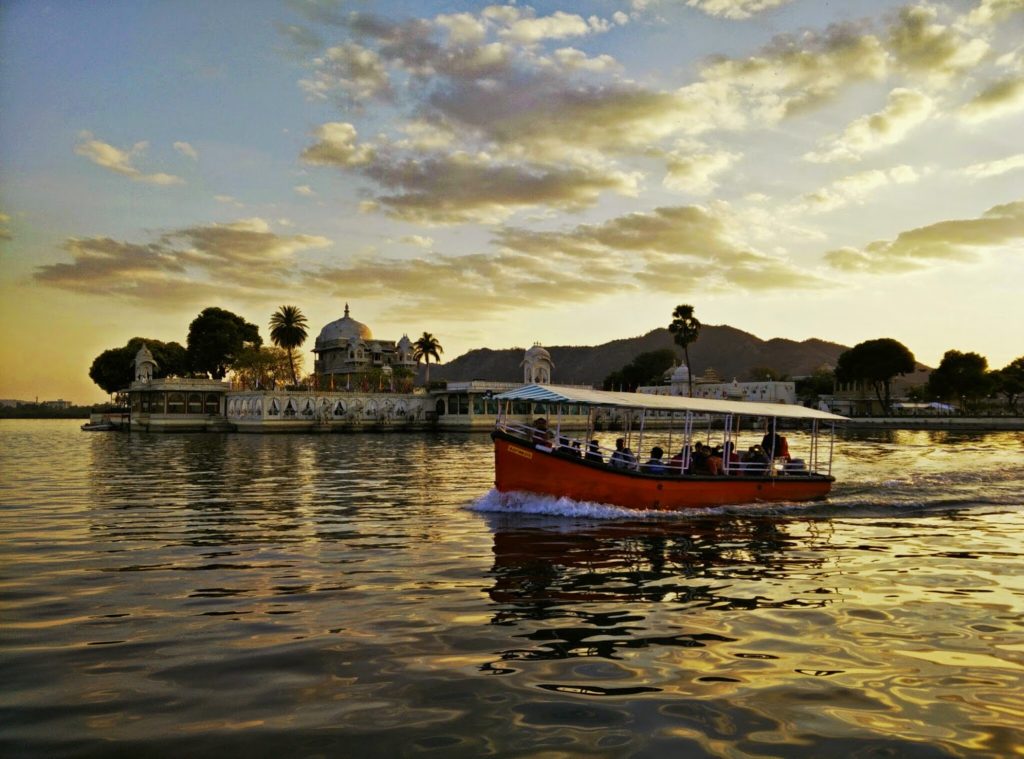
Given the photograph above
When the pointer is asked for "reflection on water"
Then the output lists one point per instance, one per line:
(342, 595)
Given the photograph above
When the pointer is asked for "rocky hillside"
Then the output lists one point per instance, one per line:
(731, 352)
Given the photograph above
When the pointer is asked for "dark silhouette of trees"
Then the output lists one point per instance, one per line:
(876, 363)
(114, 369)
(1009, 382)
(645, 369)
(215, 337)
(685, 329)
(962, 377)
(288, 331)
(425, 347)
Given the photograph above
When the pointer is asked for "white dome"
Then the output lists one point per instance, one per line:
(681, 374)
(345, 328)
(537, 352)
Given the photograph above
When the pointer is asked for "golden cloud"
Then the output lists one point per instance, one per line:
(736, 10)
(998, 99)
(121, 161)
(243, 258)
(955, 240)
(904, 110)
(921, 45)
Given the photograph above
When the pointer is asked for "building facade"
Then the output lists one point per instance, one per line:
(348, 357)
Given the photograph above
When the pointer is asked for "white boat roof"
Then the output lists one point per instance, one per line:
(650, 402)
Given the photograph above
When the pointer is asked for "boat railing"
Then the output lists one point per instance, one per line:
(548, 441)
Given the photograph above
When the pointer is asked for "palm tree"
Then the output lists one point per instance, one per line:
(288, 331)
(423, 348)
(685, 329)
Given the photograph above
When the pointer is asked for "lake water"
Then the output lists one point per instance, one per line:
(363, 595)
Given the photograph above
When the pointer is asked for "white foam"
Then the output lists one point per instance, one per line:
(532, 503)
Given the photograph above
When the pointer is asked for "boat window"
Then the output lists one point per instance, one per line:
(175, 403)
(135, 402)
(157, 403)
(145, 402)
(212, 403)
(479, 404)
(195, 403)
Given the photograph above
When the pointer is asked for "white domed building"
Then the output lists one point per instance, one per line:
(537, 366)
(346, 350)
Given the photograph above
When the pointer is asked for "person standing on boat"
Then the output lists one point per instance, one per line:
(774, 445)
(623, 458)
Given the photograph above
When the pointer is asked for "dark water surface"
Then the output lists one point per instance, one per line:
(215, 595)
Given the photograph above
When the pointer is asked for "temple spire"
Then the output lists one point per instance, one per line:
(346, 310)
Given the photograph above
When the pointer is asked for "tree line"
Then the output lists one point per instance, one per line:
(220, 342)
(961, 377)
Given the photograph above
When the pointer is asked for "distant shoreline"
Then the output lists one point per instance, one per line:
(954, 423)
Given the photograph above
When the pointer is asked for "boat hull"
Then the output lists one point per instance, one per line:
(522, 467)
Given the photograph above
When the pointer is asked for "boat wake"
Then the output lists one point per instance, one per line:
(544, 505)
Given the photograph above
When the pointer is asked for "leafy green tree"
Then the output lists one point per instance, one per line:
(962, 377)
(215, 338)
(114, 369)
(1009, 382)
(876, 363)
(288, 331)
(260, 367)
(425, 347)
(767, 374)
(645, 369)
(685, 329)
(810, 389)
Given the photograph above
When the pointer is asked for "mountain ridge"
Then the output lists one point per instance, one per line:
(731, 352)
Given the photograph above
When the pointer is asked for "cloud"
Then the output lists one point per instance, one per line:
(663, 251)
(904, 110)
(229, 200)
(923, 46)
(994, 168)
(694, 171)
(798, 73)
(526, 28)
(121, 161)
(418, 240)
(305, 191)
(186, 150)
(242, 258)
(998, 99)
(337, 147)
(956, 240)
(855, 188)
(449, 188)
(5, 229)
(736, 10)
(353, 72)
(990, 11)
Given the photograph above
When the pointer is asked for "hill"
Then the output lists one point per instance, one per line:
(731, 352)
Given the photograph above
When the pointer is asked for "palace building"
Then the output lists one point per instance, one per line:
(346, 350)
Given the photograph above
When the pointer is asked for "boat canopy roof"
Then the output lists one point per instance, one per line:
(650, 402)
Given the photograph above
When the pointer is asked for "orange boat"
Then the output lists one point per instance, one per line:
(539, 458)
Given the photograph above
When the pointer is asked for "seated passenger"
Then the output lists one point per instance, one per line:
(575, 451)
(699, 459)
(541, 434)
(655, 465)
(729, 456)
(594, 452)
(756, 460)
(714, 460)
(623, 458)
(681, 461)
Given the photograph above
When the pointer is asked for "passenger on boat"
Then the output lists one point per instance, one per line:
(756, 460)
(541, 434)
(729, 455)
(676, 464)
(569, 450)
(775, 445)
(594, 451)
(623, 458)
(655, 464)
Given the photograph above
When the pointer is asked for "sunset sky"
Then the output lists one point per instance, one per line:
(502, 174)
